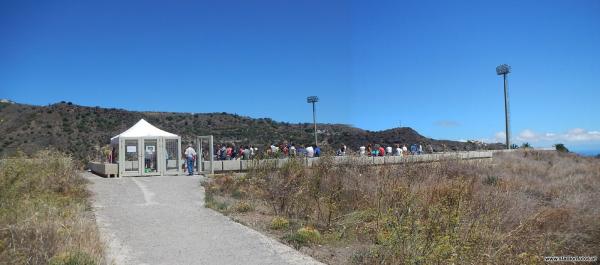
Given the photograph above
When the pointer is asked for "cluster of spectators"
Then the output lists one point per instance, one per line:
(284, 150)
(379, 150)
(292, 150)
(231, 152)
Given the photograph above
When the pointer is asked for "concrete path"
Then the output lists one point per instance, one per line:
(162, 220)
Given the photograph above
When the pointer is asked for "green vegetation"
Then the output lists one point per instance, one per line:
(303, 237)
(72, 258)
(279, 223)
(44, 214)
(515, 210)
(243, 207)
(561, 148)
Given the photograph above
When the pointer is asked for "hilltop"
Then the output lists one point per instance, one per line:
(82, 130)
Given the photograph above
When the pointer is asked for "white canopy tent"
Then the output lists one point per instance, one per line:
(144, 150)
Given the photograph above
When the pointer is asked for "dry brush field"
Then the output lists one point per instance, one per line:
(515, 209)
(45, 217)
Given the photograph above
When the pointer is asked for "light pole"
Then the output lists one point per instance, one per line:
(313, 100)
(503, 70)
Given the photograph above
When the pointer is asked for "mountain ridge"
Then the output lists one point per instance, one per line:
(83, 130)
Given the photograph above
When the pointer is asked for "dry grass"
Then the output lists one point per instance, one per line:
(44, 215)
(513, 210)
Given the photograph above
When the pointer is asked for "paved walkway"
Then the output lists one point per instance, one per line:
(162, 220)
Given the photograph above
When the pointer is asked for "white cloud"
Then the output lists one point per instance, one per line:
(447, 123)
(527, 134)
(575, 135)
(499, 137)
(572, 135)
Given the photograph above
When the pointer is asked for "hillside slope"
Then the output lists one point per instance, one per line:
(82, 130)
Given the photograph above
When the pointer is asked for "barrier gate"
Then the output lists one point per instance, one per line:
(205, 153)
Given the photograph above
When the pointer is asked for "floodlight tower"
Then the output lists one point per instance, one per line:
(313, 100)
(503, 70)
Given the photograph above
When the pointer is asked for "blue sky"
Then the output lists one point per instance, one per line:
(429, 65)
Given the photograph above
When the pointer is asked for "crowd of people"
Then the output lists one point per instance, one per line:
(245, 152)
(284, 150)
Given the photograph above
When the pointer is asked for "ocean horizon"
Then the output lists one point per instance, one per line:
(592, 152)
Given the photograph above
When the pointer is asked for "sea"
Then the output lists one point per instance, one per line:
(594, 152)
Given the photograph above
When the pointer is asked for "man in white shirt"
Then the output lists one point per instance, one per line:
(310, 152)
(398, 150)
(388, 150)
(190, 157)
(362, 150)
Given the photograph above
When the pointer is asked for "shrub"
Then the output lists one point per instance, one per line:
(243, 207)
(512, 211)
(309, 234)
(43, 210)
(279, 223)
(491, 180)
(561, 148)
(72, 258)
(281, 188)
(303, 236)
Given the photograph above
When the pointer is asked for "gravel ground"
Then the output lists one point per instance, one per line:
(162, 220)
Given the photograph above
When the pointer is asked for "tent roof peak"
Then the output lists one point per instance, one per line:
(143, 129)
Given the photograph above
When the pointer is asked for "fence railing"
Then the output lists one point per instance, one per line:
(242, 165)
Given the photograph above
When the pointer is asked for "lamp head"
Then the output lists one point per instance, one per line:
(503, 69)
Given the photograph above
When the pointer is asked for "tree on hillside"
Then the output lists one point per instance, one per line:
(561, 148)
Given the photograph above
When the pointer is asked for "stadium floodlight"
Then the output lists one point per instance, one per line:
(313, 100)
(504, 70)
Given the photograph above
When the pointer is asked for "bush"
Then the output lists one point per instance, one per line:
(310, 234)
(303, 236)
(491, 180)
(279, 223)
(44, 210)
(511, 211)
(561, 148)
(72, 258)
(243, 207)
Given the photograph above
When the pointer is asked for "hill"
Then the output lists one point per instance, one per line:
(82, 130)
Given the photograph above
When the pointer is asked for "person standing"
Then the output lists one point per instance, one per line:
(317, 151)
(293, 151)
(301, 151)
(381, 151)
(310, 152)
(388, 150)
(246, 151)
(218, 152)
(190, 155)
(229, 152)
